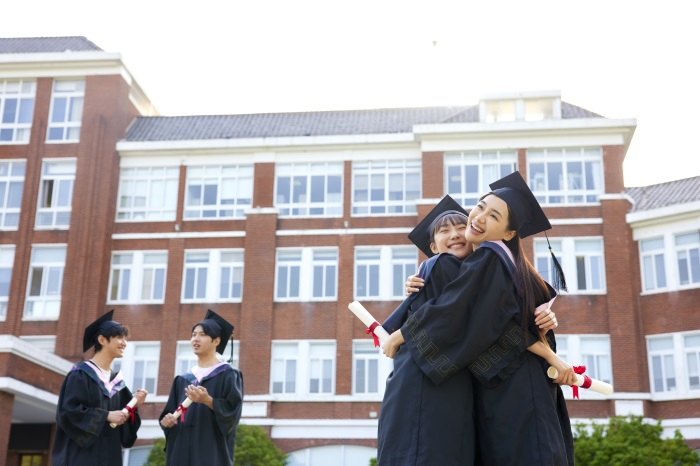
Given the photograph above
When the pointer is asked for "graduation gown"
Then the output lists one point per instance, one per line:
(83, 434)
(421, 422)
(205, 436)
(474, 323)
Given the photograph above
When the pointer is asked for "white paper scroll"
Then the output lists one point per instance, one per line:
(596, 385)
(130, 404)
(185, 404)
(367, 319)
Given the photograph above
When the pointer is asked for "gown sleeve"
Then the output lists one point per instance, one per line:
(227, 407)
(170, 407)
(80, 422)
(128, 429)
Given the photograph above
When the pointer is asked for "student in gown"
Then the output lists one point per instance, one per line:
(520, 415)
(91, 398)
(206, 431)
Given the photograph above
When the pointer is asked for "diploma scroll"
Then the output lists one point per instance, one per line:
(584, 381)
(185, 404)
(130, 405)
(367, 319)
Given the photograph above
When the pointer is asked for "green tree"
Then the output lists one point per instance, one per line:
(157, 455)
(373, 462)
(629, 441)
(254, 447)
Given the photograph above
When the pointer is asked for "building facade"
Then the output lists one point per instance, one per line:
(278, 221)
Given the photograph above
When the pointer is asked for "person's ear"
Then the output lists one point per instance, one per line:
(510, 234)
(102, 340)
(216, 341)
(434, 248)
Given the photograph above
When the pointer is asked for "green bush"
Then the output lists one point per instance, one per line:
(627, 441)
(373, 462)
(157, 455)
(254, 448)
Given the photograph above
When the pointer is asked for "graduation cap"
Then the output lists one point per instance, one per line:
(422, 233)
(97, 328)
(529, 216)
(221, 326)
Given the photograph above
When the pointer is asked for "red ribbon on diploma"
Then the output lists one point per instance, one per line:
(131, 411)
(586, 380)
(370, 331)
(183, 410)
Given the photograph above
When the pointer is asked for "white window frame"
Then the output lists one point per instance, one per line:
(307, 207)
(562, 156)
(213, 266)
(385, 173)
(12, 173)
(24, 92)
(307, 265)
(69, 123)
(365, 351)
(688, 250)
(652, 263)
(569, 348)
(385, 263)
(565, 249)
(7, 261)
(234, 192)
(301, 351)
(490, 166)
(56, 268)
(679, 352)
(58, 177)
(184, 348)
(127, 364)
(43, 342)
(135, 202)
(139, 270)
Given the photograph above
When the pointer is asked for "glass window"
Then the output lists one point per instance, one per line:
(306, 274)
(7, 260)
(309, 189)
(367, 264)
(185, 358)
(653, 269)
(365, 368)
(55, 194)
(543, 258)
(662, 364)
(566, 176)
(500, 110)
(321, 368)
(194, 285)
(325, 273)
(288, 273)
(16, 110)
(595, 353)
(380, 272)
(468, 174)
(212, 276)
(138, 277)
(581, 259)
(66, 111)
(45, 282)
(388, 187)
(539, 109)
(139, 365)
(148, 194)
(688, 258)
(218, 192)
(692, 358)
(590, 266)
(11, 187)
(284, 367)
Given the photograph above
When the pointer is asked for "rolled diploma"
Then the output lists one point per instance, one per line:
(130, 404)
(367, 319)
(186, 403)
(596, 385)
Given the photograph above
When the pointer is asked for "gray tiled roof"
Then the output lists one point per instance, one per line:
(46, 44)
(660, 195)
(341, 122)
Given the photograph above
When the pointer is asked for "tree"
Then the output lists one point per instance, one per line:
(628, 441)
(157, 455)
(254, 447)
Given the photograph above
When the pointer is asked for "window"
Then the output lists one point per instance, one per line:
(566, 176)
(66, 111)
(592, 351)
(220, 191)
(370, 368)
(11, 187)
(688, 258)
(539, 109)
(691, 345)
(651, 253)
(306, 274)
(140, 365)
(309, 189)
(186, 359)
(7, 260)
(380, 272)
(55, 195)
(500, 110)
(17, 110)
(148, 194)
(468, 174)
(520, 109)
(674, 365)
(581, 259)
(45, 283)
(43, 342)
(213, 276)
(337, 455)
(386, 187)
(138, 277)
(310, 361)
(662, 364)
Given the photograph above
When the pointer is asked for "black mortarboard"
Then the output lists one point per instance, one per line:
(420, 236)
(97, 328)
(220, 325)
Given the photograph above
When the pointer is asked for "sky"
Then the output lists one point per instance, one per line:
(618, 58)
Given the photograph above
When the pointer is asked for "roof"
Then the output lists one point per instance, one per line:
(46, 45)
(341, 122)
(660, 195)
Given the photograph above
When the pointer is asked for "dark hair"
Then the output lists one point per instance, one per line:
(208, 329)
(448, 219)
(115, 331)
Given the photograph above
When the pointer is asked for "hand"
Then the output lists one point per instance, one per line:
(566, 376)
(168, 421)
(140, 395)
(117, 417)
(391, 346)
(413, 284)
(546, 319)
(198, 394)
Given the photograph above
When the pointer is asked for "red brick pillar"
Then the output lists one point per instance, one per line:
(7, 402)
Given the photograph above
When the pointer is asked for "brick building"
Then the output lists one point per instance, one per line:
(278, 221)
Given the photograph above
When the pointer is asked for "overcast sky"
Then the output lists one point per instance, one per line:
(619, 58)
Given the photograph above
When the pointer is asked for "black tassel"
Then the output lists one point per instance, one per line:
(558, 276)
(230, 360)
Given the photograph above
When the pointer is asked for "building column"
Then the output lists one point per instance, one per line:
(7, 401)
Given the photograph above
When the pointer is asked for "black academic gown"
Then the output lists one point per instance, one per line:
(421, 422)
(205, 436)
(474, 323)
(83, 434)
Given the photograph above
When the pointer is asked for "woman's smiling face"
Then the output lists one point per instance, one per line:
(488, 221)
